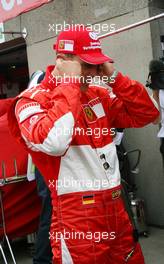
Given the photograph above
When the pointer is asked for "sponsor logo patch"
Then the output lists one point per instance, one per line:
(28, 105)
(92, 47)
(67, 45)
(93, 35)
(116, 194)
(61, 44)
(28, 111)
(97, 107)
(89, 114)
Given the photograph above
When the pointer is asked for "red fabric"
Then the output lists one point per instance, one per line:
(22, 209)
(10, 8)
(36, 117)
(125, 110)
(96, 229)
(10, 151)
(82, 42)
(4, 105)
(20, 200)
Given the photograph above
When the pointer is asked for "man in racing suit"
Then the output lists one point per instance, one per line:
(67, 128)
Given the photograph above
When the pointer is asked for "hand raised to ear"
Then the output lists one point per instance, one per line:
(68, 68)
(106, 69)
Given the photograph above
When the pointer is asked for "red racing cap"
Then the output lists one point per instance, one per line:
(83, 42)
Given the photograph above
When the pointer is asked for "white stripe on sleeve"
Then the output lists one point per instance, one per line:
(58, 138)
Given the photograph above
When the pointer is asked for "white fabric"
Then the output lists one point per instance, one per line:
(118, 138)
(161, 98)
(98, 110)
(161, 101)
(29, 111)
(154, 102)
(30, 169)
(66, 256)
(81, 169)
(34, 79)
(58, 138)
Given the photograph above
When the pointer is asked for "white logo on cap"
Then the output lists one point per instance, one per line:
(93, 35)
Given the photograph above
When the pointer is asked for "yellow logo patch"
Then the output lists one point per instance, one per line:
(61, 44)
(89, 113)
(116, 194)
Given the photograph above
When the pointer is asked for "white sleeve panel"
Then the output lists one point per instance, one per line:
(29, 111)
(58, 138)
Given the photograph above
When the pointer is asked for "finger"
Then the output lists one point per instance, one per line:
(59, 63)
(60, 56)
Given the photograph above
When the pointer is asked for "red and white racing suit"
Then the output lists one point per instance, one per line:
(68, 133)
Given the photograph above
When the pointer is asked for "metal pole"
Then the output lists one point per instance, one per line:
(140, 23)
(4, 230)
(23, 33)
(3, 254)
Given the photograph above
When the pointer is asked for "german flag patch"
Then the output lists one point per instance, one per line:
(88, 199)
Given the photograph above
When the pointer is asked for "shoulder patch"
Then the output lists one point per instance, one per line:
(27, 110)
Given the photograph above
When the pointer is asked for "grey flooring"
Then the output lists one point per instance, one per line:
(153, 246)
